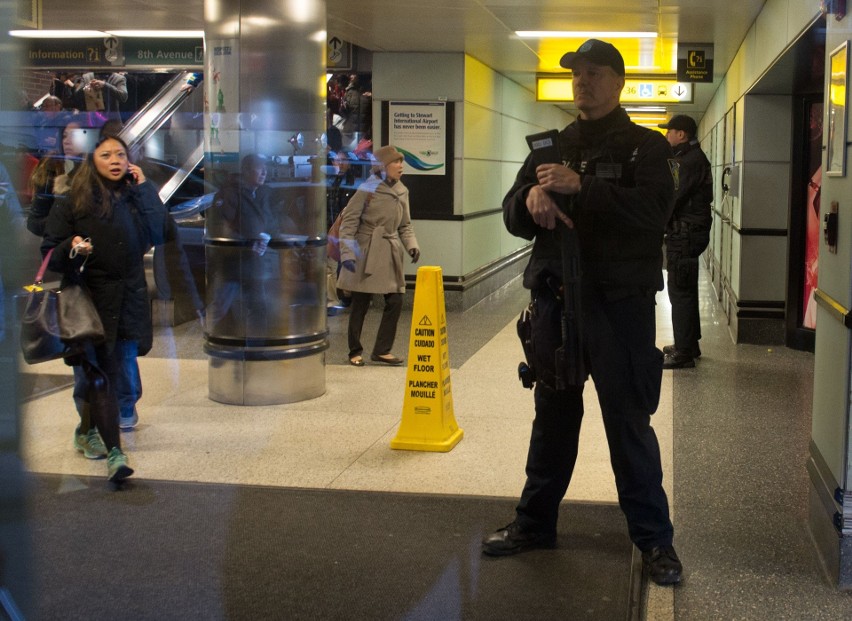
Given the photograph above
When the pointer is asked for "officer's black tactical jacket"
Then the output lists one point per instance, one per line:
(620, 213)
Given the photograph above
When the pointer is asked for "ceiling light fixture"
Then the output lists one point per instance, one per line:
(582, 34)
(178, 34)
(88, 34)
(57, 34)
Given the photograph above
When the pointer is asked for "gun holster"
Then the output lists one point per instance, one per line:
(526, 372)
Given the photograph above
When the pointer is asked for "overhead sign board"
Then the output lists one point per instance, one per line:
(338, 54)
(638, 91)
(695, 62)
(165, 52)
(90, 52)
(93, 53)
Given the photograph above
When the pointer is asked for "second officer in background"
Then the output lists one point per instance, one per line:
(687, 236)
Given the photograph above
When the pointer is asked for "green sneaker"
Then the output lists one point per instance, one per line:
(90, 444)
(117, 465)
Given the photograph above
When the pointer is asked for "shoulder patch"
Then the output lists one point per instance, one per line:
(674, 167)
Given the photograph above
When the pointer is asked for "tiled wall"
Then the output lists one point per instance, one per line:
(764, 199)
(492, 116)
(748, 254)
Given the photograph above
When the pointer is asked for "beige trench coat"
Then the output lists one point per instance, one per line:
(377, 235)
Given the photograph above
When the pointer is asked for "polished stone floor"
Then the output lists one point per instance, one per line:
(733, 433)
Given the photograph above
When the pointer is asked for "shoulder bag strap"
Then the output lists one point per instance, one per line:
(41, 270)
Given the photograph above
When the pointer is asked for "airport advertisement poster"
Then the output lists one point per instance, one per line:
(419, 132)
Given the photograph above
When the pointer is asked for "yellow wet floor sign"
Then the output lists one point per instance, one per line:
(428, 423)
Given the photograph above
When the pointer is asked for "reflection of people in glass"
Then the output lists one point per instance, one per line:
(334, 98)
(192, 82)
(48, 119)
(812, 249)
(65, 86)
(11, 225)
(100, 235)
(350, 107)
(104, 93)
(355, 111)
(52, 177)
(51, 182)
(375, 236)
(239, 269)
(338, 172)
(812, 223)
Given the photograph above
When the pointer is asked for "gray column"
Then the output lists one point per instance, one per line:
(266, 328)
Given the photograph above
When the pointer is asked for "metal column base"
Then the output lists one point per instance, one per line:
(266, 382)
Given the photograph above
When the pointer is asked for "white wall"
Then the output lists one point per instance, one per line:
(778, 25)
(425, 77)
(498, 114)
(832, 422)
(493, 114)
(753, 133)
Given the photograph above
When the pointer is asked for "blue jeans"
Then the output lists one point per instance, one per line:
(128, 384)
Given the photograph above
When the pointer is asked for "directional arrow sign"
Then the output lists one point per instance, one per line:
(647, 90)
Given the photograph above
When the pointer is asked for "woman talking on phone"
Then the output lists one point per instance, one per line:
(100, 233)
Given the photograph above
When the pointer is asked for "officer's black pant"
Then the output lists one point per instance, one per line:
(683, 248)
(682, 283)
(626, 367)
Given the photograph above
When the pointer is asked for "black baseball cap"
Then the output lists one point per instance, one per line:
(681, 122)
(597, 52)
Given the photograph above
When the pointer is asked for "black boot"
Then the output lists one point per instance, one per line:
(512, 539)
(695, 351)
(663, 565)
(678, 360)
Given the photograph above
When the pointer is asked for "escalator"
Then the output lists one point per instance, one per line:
(166, 138)
(157, 111)
(169, 130)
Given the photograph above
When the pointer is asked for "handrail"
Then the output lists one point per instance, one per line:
(171, 186)
(151, 117)
(156, 112)
(834, 308)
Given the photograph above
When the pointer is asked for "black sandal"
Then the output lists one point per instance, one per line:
(356, 361)
(387, 359)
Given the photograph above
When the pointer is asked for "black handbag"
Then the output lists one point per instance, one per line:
(57, 322)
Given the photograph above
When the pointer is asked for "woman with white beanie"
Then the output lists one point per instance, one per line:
(375, 235)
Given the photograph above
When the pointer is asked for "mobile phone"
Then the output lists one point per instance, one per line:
(544, 147)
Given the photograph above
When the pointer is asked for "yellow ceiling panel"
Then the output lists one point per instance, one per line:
(641, 56)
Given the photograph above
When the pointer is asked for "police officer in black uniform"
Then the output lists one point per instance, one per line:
(615, 189)
(687, 235)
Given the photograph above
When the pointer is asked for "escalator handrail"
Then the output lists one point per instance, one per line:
(156, 112)
(192, 161)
